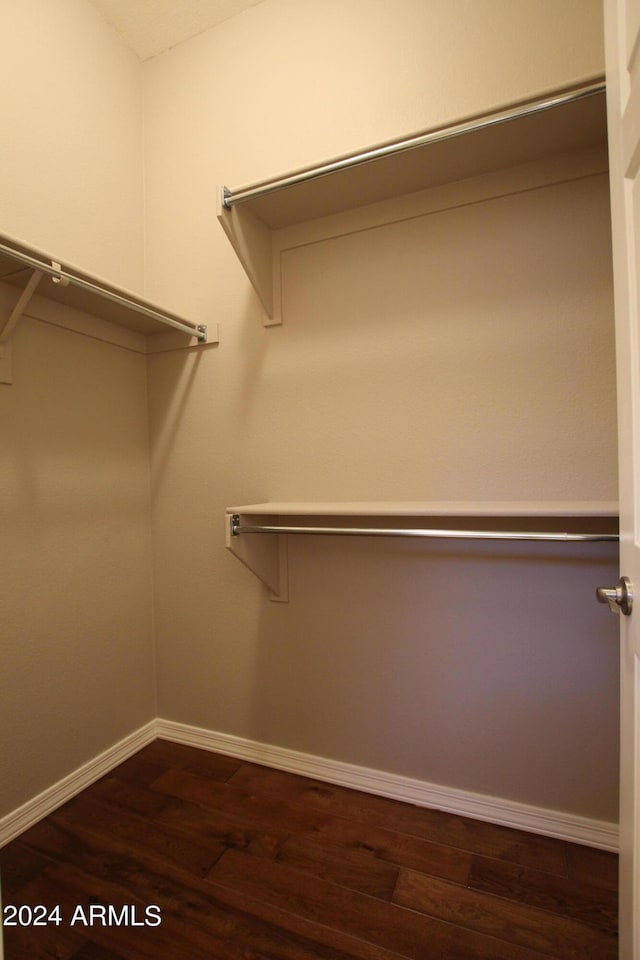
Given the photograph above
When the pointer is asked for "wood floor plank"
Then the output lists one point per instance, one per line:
(581, 899)
(250, 921)
(156, 757)
(227, 830)
(141, 768)
(597, 868)
(319, 857)
(505, 919)
(357, 840)
(92, 951)
(377, 879)
(18, 866)
(74, 888)
(36, 944)
(405, 932)
(173, 939)
(215, 766)
(137, 833)
(225, 916)
(129, 796)
(463, 833)
(49, 941)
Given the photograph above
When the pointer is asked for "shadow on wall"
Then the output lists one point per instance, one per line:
(171, 385)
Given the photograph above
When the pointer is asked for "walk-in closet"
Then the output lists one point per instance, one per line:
(308, 405)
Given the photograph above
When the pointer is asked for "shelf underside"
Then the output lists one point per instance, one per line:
(566, 128)
(98, 304)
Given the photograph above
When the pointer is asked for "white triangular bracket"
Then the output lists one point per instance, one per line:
(265, 556)
(8, 326)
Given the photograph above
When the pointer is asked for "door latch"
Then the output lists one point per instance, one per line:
(619, 598)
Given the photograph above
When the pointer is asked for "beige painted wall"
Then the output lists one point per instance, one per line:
(76, 645)
(480, 366)
(77, 648)
(71, 146)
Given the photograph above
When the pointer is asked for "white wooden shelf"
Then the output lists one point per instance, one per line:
(257, 533)
(46, 285)
(256, 217)
(433, 508)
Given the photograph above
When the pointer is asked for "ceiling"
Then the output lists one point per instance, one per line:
(151, 26)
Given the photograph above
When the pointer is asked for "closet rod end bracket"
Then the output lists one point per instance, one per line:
(226, 194)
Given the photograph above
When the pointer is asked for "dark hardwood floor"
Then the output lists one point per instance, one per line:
(241, 862)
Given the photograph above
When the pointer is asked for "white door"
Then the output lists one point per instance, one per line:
(622, 28)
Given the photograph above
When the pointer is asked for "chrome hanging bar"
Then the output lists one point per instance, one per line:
(238, 528)
(199, 332)
(264, 187)
(65, 278)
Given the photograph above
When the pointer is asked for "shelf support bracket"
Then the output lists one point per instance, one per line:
(266, 557)
(13, 315)
(252, 242)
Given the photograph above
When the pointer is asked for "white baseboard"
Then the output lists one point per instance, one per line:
(53, 797)
(520, 816)
(508, 813)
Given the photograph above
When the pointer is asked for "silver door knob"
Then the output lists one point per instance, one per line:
(620, 598)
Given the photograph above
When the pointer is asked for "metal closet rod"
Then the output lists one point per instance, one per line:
(58, 275)
(263, 187)
(238, 528)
